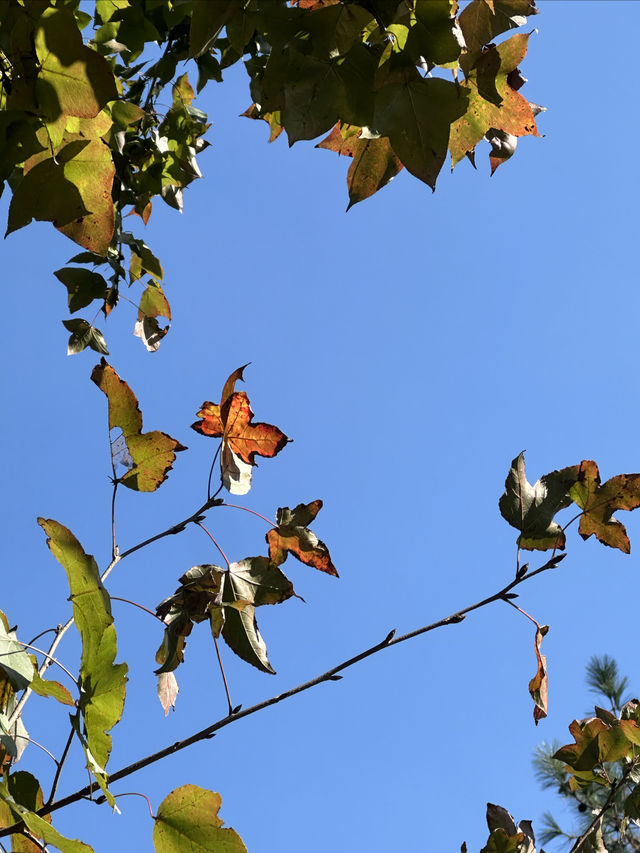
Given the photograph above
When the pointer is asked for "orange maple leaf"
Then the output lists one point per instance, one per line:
(242, 440)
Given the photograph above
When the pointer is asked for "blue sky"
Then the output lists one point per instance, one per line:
(412, 348)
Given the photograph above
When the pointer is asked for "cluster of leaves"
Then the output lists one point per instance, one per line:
(532, 509)
(609, 797)
(395, 84)
(226, 597)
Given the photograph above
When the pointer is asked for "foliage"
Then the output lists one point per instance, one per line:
(83, 143)
(619, 824)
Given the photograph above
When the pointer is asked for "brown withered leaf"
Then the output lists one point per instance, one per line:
(293, 536)
(149, 455)
(374, 161)
(600, 502)
(242, 440)
(538, 686)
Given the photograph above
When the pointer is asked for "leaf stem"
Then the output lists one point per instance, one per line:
(252, 511)
(224, 677)
(135, 604)
(524, 612)
(103, 799)
(39, 745)
(224, 556)
(215, 456)
(46, 655)
(330, 675)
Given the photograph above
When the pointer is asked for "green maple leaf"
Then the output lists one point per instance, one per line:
(531, 509)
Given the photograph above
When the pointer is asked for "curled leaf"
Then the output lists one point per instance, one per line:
(293, 536)
(538, 686)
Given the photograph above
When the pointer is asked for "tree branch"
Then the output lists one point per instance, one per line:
(330, 675)
(601, 811)
(61, 630)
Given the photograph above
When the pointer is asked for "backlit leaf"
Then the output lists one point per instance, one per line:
(167, 691)
(73, 79)
(531, 509)
(187, 819)
(374, 162)
(153, 304)
(599, 502)
(492, 102)
(41, 828)
(242, 440)
(26, 791)
(103, 682)
(46, 687)
(416, 114)
(15, 663)
(293, 536)
(152, 453)
(480, 23)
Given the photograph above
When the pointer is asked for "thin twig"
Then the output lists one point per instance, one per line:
(61, 630)
(63, 758)
(224, 677)
(330, 675)
(607, 805)
(42, 633)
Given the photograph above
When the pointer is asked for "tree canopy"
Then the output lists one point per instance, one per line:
(99, 120)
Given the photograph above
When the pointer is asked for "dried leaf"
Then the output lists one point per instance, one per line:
(538, 686)
(242, 440)
(293, 536)
(600, 502)
(167, 691)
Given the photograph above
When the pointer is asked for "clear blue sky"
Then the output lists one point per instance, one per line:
(412, 348)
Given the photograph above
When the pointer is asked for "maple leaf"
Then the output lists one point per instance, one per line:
(493, 104)
(600, 502)
(228, 599)
(595, 742)
(148, 455)
(293, 536)
(242, 440)
(531, 508)
(538, 686)
(374, 161)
